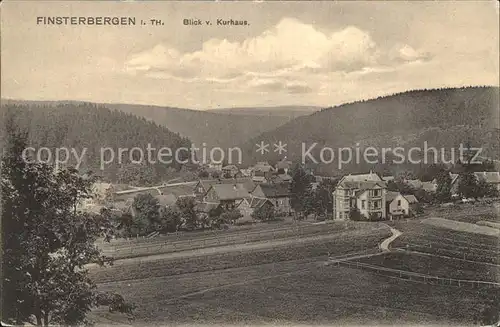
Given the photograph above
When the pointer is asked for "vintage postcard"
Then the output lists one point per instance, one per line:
(250, 163)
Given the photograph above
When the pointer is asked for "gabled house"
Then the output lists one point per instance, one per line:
(490, 177)
(417, 184)
(227, 196)
(278, 194)
(366, 192)
(398, 205)
(283, 167)
(249, 205)
(262, 172)
(203, 185)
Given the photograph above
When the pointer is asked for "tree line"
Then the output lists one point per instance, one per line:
(85, 125)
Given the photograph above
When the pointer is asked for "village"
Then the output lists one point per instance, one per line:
(227, 195)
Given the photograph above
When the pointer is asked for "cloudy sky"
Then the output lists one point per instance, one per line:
(299, 53)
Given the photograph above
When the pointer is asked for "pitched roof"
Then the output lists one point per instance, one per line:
(411, 198)
(230, 191)
(255, 202)
(371, 176)
(390, 195)
(247, 182)
(258, 179)
(362, 185)
(415, 183)
(275, 190)
(285, 177)
(263, 167)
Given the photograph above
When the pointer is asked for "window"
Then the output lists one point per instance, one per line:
(363, 204)
(399, 203)
(376, 192)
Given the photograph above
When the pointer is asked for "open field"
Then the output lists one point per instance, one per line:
(354, 241)
(436, 266)
(461, 226)
(294, 292)
(289, 284)
(171, 243)
(426, 238)
(470, 213)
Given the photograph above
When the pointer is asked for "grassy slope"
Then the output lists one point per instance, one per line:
(279, 286)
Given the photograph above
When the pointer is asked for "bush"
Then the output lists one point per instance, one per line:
(264, 213)
(355, 214)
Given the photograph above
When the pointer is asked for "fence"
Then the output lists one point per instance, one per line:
(133, 250)
(416, 277)
(486, 256)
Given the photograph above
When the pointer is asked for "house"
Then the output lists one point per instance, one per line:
(490, 177)
(417, 184)
(227, 196)
(230, 171)
(217, 166)
(283, 166)
(247, 172)
(278, 178)
(277, 194)
(249, 205)
(398, 205)
(262, 172)
(413, 183)
(202, 186)
(366, 192)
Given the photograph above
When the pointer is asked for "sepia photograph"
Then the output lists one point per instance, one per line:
(250, 163)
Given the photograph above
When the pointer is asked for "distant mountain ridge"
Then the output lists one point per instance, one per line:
(442, 117)
(223, 129)
(282, 111)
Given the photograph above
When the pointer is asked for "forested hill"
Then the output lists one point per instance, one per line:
(83, 125)
(214, 129)
(442, 117)
(226, 128)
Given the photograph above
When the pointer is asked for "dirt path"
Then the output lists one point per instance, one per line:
(384, 246)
